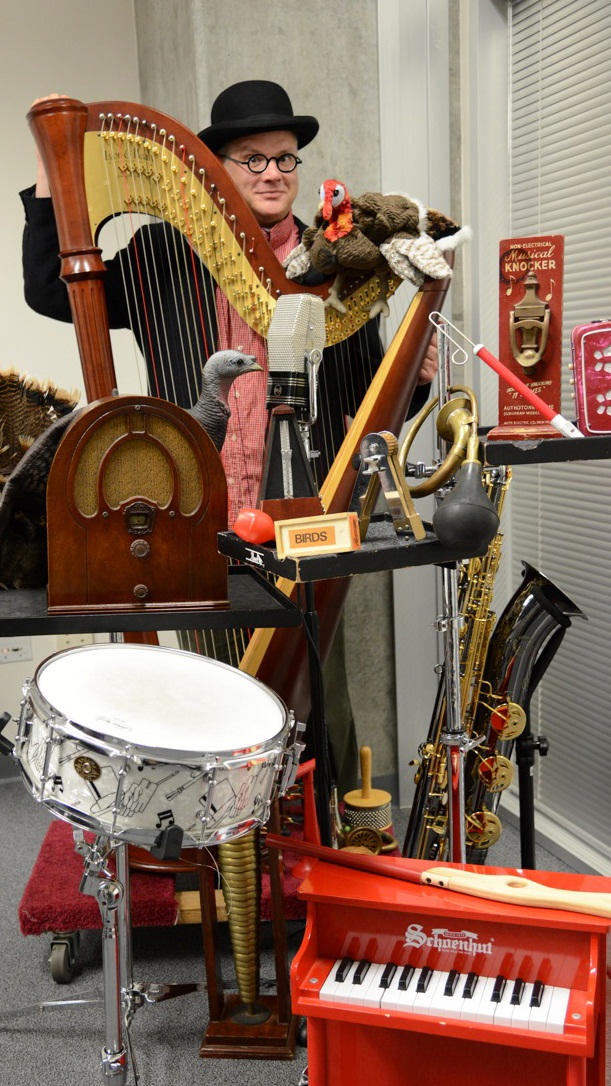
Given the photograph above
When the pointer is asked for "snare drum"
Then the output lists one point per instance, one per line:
(126, 740)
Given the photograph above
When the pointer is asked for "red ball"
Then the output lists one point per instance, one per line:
(254, 526)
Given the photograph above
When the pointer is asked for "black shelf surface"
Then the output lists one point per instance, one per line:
(253, 602)
(383, 549)
(549, 450)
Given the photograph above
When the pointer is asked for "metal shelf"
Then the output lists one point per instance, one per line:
(253, 602)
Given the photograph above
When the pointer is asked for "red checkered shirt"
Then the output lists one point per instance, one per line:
(244, 448)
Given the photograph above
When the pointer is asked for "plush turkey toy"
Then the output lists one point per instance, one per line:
(374, 233)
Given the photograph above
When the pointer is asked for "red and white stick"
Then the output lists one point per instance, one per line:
(511, 888)
(568, 429)
(558, 421)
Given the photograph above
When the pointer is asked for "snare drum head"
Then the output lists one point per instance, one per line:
(159, 698)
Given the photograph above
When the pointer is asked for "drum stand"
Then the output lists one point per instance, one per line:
(121, 997)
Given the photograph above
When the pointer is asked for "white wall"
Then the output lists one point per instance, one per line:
(86, 51)
(66, 47)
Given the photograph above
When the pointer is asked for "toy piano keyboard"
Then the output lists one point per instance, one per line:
(407, 983)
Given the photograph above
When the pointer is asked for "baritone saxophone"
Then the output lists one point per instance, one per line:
(497, 671)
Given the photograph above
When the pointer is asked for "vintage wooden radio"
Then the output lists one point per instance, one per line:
(135, 498)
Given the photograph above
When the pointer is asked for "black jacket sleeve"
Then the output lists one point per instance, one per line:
(44, 291)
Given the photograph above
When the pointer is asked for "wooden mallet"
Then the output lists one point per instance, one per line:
(367, 806)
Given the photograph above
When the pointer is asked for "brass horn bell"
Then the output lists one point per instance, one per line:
(465, 520)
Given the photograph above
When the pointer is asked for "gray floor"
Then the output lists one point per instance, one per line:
(52, 1046)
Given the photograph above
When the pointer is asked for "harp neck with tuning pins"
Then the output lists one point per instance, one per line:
(109, 159)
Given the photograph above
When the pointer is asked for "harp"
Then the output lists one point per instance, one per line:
(109, 159)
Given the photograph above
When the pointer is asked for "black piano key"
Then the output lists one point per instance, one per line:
(406, 975)
(344, 968)
(518, 991)
(451, 982)
(387, 975)
(424, 979)
(499, 988)
(361, 971)
(470, 985)
(537, 994)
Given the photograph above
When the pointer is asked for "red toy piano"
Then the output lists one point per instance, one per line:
(409, 985)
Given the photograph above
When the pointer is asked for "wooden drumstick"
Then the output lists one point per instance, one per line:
(367, 806)
(512, 889)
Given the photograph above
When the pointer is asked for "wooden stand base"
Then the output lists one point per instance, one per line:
(273, 1039)
(229, 1033)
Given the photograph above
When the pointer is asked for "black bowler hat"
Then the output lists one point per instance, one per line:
(256, 105)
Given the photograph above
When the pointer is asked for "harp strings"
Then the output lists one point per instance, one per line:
(140, 189)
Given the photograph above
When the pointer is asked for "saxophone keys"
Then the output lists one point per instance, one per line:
(508, 720)
(483, 829)
(496, 773)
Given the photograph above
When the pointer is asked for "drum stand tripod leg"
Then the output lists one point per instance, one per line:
(112, 895)
(121, 996)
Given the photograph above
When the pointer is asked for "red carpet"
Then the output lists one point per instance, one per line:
(52, 900)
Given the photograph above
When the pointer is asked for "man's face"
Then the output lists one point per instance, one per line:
(269, 195)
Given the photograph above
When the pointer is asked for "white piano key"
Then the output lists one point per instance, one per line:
(483, 1009)
(467, 1005)
(521, 1014)
(550, 1016)
(371, 993)
(447, 1006)
(504, 1008)
(331, 987)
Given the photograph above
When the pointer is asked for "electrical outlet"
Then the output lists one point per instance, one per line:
(13, 649)
(73, 641)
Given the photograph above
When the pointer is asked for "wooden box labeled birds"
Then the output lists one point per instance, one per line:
(136, 496)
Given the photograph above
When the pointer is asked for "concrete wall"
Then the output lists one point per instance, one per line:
(325, 57)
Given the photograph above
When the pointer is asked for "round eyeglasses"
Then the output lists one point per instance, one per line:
(259, 163)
